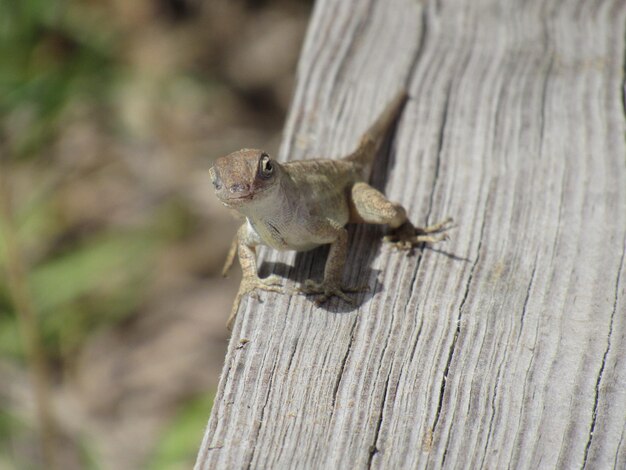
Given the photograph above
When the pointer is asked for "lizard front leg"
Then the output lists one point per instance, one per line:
(331, 286)
(247, 241)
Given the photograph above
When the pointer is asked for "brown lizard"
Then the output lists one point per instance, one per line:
(300, 205)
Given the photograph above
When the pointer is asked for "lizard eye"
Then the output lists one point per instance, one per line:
(265, 166)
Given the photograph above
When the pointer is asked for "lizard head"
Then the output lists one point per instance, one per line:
(244, 176)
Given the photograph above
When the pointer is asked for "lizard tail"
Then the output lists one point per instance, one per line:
(373, 138)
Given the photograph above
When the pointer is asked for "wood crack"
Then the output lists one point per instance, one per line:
(342, 368)
(527, 298)
(596, 396)
(414, 349)
(442, 128)
(374, 447)
(420, 47)
(442, 131)
(442, 387)
(493, 413)
(624, 91)
(291, 356)
(544, 93)
(559, 217)
(248, 464)
(617, 452)
(295, 347)
(524, 394)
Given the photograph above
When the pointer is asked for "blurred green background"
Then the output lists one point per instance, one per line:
(112, 307)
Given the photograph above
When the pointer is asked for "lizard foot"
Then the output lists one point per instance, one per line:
(271, 283)
(252, 286)
(407, 236)
(327, 290)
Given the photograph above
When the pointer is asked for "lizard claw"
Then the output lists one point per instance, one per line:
(438, 227)
(252, 286)
(328, 290)
(270, 283)
(407, 236)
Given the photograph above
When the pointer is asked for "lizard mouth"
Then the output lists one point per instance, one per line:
(239, 200)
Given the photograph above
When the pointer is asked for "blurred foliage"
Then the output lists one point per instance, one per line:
(54, 54)
(133, 86)
(178, 446)
(10, 426)
(47, 58)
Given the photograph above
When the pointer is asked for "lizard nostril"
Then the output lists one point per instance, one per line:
(239, 187)
(215, 179)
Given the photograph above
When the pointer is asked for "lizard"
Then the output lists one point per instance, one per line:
(300, 205)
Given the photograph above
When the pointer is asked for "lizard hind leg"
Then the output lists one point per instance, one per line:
(368, 205)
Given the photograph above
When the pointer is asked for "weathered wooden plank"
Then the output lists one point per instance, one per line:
(506, 347)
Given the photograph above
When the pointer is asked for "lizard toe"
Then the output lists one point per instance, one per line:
(252, 286)
(325, 291)
(272, 280)
(405, 237)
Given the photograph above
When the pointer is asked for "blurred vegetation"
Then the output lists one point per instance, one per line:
(110, 113)
(178, 445)
(49, 55)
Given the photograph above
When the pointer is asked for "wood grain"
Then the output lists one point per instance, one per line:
(504, 347)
